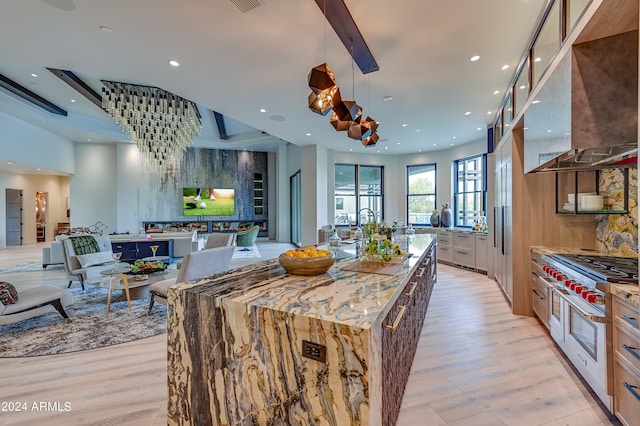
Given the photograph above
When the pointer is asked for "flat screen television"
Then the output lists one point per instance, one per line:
(208, 202)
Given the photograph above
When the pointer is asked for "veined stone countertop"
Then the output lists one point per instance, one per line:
(629, 292)
(344, 297)
(256, 345)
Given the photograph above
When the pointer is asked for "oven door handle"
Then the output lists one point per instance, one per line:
(588, 316)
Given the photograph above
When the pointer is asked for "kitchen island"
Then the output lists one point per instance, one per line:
(235, 342)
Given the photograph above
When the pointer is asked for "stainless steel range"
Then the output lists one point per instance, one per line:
(578, 317)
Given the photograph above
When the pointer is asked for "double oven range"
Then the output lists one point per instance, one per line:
(580, 310)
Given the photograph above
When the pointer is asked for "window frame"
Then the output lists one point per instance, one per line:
(457, 192)
(408, 194)
(358, 195)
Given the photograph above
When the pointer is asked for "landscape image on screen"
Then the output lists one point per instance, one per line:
(208, 202)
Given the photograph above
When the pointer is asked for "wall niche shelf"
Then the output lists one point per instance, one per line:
(593, 191)
(205, 226)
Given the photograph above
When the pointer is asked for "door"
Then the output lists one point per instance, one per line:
(13, 217)
(295, 197)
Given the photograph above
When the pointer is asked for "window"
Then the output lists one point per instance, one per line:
(357, 187)
(421, 193)
(470, 189)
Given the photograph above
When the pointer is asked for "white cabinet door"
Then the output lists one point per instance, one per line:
(481, 251)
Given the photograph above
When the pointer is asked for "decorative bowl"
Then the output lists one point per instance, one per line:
(307, 266)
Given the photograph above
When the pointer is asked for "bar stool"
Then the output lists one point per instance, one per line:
(120, 280)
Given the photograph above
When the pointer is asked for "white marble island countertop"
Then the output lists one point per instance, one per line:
(344, 297)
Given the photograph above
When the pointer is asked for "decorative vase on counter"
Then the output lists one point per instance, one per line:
(435, 219)
(446, 216)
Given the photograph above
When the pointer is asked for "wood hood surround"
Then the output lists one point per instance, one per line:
(590, 99)
(609, 40)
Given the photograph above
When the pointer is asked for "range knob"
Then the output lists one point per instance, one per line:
(578, 289)
(585, 293)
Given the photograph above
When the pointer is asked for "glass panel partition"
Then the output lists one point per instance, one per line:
(547, 42)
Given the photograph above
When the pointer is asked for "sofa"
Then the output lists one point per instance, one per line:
(86, 266)
(53, 254)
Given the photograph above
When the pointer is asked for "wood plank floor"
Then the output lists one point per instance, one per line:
(476, 364)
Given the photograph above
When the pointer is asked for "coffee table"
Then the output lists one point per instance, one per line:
(133, 288)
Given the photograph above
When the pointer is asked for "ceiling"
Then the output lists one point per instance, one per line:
(236, 63)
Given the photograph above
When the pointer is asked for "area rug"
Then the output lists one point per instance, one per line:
(88, 329)
(28, 267)
(253, 252)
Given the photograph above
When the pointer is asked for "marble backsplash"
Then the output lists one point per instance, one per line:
(617, 234)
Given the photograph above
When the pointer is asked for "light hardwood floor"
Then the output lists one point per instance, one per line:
(476, 364)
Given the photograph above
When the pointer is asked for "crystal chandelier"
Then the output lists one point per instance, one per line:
(161, 123)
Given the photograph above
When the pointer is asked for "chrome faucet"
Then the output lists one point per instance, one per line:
(369, 210)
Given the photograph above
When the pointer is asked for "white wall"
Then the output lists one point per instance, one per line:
(27, 144)
(94, 195)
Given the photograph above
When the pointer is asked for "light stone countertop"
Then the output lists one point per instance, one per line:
(346, 297)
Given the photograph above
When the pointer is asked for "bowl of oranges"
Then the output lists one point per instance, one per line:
(307, 261)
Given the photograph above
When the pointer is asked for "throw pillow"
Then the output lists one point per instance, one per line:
(92, 259)
(84, 244)
(8, 293)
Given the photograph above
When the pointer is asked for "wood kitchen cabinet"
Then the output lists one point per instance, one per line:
(626, 361)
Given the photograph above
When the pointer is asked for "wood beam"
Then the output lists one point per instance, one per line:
(336, 12)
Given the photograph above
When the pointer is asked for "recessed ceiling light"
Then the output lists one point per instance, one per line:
(9, 163)
(404, 125)
(174, 63)
(505, 67)
(526, 128)
(523, 87)
(417, 130)
(386, 147)
(568, 134)
(378, 151)
(34, 74)
(489, 113)
(467, 113)
(38, 169)
(536, 101)
(387, 98)
(419, 150)
(451, 144)
(88, 140)
(434, 144)
(263, 110)
(495, 92)
(455, 137)
(105, 29)
(479, 128)
(506, 124)
(308, 134)
(397, 143)
(474, 58)
(350, 149)
(548, 130)
(538, 59)
(72, 100)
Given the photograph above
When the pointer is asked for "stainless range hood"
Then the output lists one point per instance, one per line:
(592, 158)
(586, 114)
